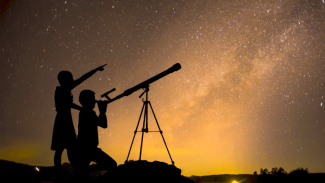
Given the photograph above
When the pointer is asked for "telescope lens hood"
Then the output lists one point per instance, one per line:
(176, 67)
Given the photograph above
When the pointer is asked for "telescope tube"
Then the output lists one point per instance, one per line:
(146, 83)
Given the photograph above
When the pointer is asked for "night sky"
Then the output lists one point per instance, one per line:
(249, 95)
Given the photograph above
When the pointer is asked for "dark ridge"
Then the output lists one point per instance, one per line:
(142, 171)
(132, 171)
(266, 178)
(147, 172)
(18, 172)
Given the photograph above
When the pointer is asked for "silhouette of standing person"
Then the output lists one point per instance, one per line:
(64, 135)
(87, 140)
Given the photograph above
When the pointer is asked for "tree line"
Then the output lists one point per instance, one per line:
(281, 171)
(279, 175)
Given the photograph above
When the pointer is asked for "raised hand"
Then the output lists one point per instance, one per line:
(101, 68)
(102, 106)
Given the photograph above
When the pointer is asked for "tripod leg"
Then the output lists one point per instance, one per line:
(144, 121)
(135, 132)
(161, 133)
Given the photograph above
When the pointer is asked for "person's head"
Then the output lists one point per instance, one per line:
(87, 99)
(65, 78)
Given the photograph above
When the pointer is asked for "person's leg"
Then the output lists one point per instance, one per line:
(83, 170)
(103, 161)
(72, 155)
(57, 163)
(81, 163)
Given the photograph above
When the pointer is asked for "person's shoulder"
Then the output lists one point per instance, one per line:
(58, 90)
(61, 89)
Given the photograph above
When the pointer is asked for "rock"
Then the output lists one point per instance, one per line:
(144, 171)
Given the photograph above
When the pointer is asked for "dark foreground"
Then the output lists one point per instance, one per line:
(269, 178)
(137, 171)
(143, 171)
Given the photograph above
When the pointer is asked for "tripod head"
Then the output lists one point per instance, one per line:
(146, 89)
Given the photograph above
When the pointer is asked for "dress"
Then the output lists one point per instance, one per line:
(64, 135)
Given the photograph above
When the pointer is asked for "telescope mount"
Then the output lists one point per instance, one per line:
(144, 111)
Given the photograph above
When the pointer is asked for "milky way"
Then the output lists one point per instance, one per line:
(249, 94)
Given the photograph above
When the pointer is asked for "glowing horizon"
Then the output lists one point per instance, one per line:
(249, 94)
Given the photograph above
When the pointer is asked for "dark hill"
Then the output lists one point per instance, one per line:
(17, 172)
(134, 171)
(140, 171)
(144, 171)
(268, 178)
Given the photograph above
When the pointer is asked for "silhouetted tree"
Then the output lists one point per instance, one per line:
(281, 171)
(279, 175)
(274, 171)
(300, 171)
(264, 171)
(299, 175)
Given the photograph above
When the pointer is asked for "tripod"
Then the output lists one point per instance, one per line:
(145, 124)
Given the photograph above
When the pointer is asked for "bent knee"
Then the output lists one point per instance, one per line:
(111, 162)
(114, 163)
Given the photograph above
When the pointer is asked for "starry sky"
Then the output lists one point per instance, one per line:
(249, 95)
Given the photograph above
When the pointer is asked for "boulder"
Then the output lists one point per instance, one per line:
(145, 172)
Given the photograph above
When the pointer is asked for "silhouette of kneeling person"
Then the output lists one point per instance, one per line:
(87, 140)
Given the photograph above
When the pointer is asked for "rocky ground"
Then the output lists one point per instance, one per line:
(133, 171)
(140, 171)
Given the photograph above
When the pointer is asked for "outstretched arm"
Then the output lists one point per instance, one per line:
(86, 76)
(75, 106)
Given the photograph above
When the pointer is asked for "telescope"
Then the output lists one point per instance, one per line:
(144, 84)
(146, 106)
